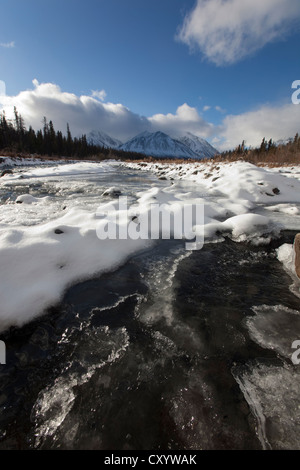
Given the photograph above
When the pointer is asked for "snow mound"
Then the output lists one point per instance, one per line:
(38, 263)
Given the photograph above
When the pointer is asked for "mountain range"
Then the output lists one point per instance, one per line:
(157, 144)
(102, 139)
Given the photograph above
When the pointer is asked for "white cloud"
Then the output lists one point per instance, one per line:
(185, 119)
(7, 45)
(220, 110)
(101, 95)
(271, 122)
(206, 108)
(86, 113)
(226, 31)
(83, 113)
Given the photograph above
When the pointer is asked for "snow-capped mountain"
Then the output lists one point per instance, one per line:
(198, 145)
(102, 139)
(157, 144)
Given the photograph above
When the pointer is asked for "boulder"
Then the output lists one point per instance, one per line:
(6, 172)
(113, 192)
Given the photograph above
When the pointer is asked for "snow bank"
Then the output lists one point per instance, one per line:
(38, 263)
(241, 180)
(65, 169)
(237, 180)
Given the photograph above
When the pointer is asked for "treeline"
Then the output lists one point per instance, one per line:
(268, 152)
(16, 138)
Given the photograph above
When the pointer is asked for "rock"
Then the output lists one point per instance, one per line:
(297, 254)
(276, 191)
(26, 199)
(58, 231)
(6, 172)
(113, 192)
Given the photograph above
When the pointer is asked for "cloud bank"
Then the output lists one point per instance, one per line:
(268, 121)
(86, 113)
(226, 31)
(83, 113)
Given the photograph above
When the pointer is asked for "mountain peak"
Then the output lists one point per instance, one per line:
(102, 139)
(198, 145)
(157, 144)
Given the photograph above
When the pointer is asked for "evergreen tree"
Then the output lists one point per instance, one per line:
(263, 146)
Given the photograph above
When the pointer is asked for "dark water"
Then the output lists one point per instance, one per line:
(142, 358)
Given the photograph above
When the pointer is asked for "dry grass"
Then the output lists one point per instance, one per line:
(281, 155)
(287, 154)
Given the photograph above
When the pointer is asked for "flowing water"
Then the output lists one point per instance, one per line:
(173, 350)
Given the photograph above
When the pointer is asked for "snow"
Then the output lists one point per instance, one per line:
(160, 144)
(240, 182)
(49, 242)
(286, 255)
(102, 139)
(199, 146)
(157, 144)
(37, 264)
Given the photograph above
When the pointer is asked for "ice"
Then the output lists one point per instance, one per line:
(275, 327)
(161, 282)
(52, 216)
(49, 226)
(70, 169)
(98, 347)
(272, 393)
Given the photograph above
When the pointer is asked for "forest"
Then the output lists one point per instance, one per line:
(16, 138)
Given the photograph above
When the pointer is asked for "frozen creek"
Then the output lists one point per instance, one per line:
(153, 346)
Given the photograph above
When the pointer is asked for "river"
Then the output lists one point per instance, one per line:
(173, 350)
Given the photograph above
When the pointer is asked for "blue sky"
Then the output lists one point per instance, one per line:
(219, 64)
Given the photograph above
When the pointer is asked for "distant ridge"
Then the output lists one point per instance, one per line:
(199, 146)
(157, 144)
(102, 139)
